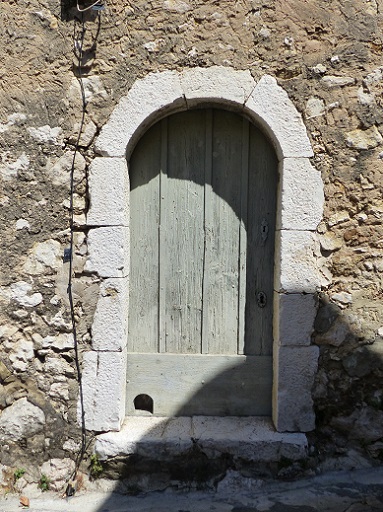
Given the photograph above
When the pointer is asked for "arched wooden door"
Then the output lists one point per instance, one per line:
(203, 203)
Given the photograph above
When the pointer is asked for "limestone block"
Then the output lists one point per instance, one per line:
(296, 268)
(149, 436)
(294, 371)
(294, 316)
(58, 472)
(46, 134)
(217, 83)
(251, 439)
(61, 342)
(108, 192)
(59, 390)
(315, 107)
(104, 389)
(176, 6)
(57, 367)
(337, 81)
(59, 173)
(20, 421)
(302, 196)
(278, 115)
(21, 353)
(247, 438)
(87, 134)
(21, 292)
(138, 109)
(364, 139)
(108, 251)
(93, 88)
(43, 256)
(110, 321)
(9, 170)
(12, 119)
(22, 224)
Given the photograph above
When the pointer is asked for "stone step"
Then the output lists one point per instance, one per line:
(251, 439)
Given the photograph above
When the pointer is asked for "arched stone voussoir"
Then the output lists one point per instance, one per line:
(270, 105)
(166, 92)
(217, 84)
(148, 98)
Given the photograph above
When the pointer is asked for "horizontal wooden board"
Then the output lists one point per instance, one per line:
(198, 384)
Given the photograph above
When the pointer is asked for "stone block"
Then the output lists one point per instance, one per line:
(251, 439)
(216, 84)
(108, 251)
(104, 385)
(21, 420)
(294, 371)
(302, 196)
(294, 316)
(278, 115)
(110, 321)
(135, 112)
(149, 436)
(108, 192)
(296, 267)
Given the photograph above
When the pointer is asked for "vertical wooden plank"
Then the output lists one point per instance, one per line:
(243, 236)
(263, 177)
(162, 253)
(144, 218)
(182, 228)
(207, 226)
(222, 235)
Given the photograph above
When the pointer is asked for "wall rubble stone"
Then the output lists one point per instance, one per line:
(326, 58)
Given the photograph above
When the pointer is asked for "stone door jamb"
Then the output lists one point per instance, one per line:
(300, 207)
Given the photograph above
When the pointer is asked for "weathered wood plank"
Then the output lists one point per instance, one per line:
(243, 236)
(222, 235)
(144, 218)
(194, 384)
(262, 181)
(203, 202)
(163, 249)
(182, 204)
(207, 219)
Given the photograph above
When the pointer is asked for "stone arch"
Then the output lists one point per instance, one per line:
(300, 205)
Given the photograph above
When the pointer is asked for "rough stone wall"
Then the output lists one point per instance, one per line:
(326, 55)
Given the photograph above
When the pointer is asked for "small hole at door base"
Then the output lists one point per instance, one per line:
(143, 403)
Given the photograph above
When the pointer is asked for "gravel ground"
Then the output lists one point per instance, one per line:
(351, 491)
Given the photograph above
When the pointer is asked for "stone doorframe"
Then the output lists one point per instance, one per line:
(300, 206)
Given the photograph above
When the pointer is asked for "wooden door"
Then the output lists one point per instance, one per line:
(203, 202)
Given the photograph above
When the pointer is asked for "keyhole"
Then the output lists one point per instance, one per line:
(261, 299)
(264, 230)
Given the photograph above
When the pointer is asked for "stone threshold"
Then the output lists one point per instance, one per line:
(252, 439)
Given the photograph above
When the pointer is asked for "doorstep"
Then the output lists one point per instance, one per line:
(252, 439)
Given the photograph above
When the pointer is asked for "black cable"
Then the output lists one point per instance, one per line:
(78, 51)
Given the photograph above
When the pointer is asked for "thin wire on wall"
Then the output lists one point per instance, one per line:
(78, 39)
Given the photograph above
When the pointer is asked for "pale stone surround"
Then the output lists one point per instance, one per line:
(300, 206)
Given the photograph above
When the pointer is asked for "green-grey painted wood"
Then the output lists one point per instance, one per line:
(182, 211)
(262, 186)
(222, 235)
(144, 219)
(195, 384)
(207, 216)
(163, 249)
(243, 237)
(203, 200)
